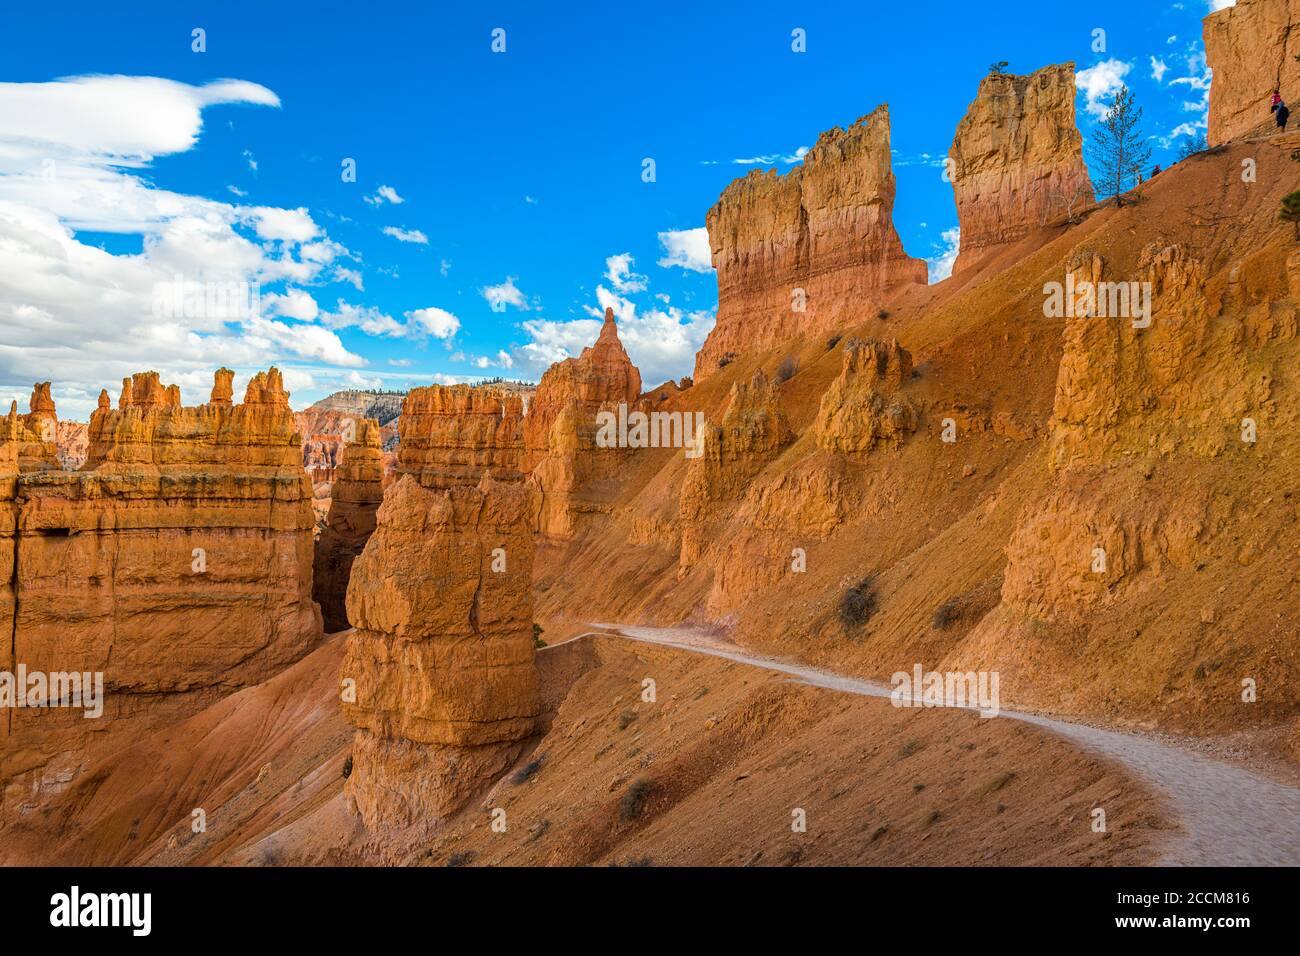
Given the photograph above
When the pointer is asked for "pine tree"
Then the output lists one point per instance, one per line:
(1290, 211)
(1118, 149)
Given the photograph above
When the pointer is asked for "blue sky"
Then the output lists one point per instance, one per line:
(519, 174)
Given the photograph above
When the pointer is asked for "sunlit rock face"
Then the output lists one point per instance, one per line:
(441, 663)
(176, 562)
(1252, 49)
(803, 252)
(562, 455)
(1016, 162)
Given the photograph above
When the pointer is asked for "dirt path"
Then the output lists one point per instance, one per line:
(1229, 816)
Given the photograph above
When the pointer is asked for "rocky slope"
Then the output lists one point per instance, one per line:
(1252, 49)
(1020, 450)
(809, 251)
(1016, 162)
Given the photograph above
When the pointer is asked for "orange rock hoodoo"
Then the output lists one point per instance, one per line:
(176, 562)
(1017, 160)
(560, 447)
(865, 405)
(442, 656)
(808, 251)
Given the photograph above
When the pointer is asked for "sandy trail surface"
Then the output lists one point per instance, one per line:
(1229, 815)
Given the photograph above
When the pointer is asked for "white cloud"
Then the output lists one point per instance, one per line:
(439, 323)
(1100, 82)
(504, 359)
(942, 263)
(768, 159)
(443, 268)
(368, 319)
(252, 160)
(235, 190)
(688, 248)
(618, 270)
(405, 235)
(530, 200)
(384, 194)
(1216, 5)
(505, 294)
(1158, 69)
(661, 342)
(291, 225)
(74, 311)
(294, 304)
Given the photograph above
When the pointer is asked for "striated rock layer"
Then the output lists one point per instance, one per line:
(451, 435)
(1252, 49)
(810, 250)
(176, 562)
(1017, 160)
(441, 665)
(566, 464)
(358, 490)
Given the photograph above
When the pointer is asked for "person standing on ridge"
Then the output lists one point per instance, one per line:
(1276, 101)
(1283, 114)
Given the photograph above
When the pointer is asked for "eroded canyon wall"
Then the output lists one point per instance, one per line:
(1017, 160)
(176, 562)
(358, 490)
(810, 250)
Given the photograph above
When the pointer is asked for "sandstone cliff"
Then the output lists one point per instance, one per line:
(1017, 160)
(561, 453)
(439, 676)
(176, 562)
(812, 250)
(357, 492)
(1252, 49)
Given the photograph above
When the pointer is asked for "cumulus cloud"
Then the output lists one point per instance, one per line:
(941, 264)
(439, 323)
(69, 155)
(1099, 83)
(384, 194)
(1216, 5)
(618, 270)
(407, 235)
(368, 319)
(1158, 69)
(687, 248)
(505, 294)
(294, 304)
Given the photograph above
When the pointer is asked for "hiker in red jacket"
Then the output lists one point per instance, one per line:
(1277, 101)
